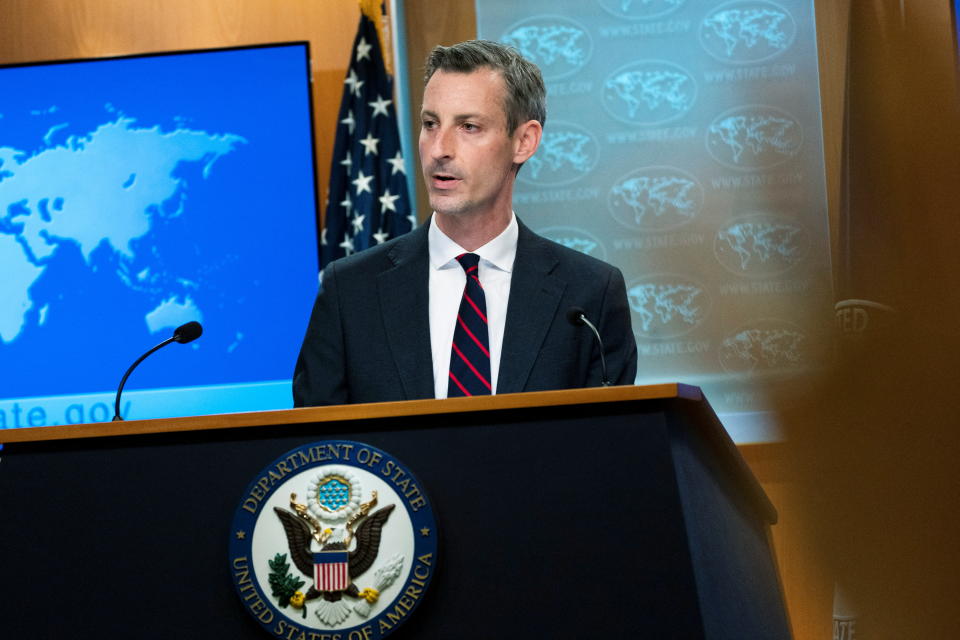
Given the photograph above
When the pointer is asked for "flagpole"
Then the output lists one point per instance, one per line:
(402, 90)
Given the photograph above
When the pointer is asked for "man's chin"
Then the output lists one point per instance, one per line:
(449, 207)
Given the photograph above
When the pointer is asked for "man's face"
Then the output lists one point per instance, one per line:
(466, 155)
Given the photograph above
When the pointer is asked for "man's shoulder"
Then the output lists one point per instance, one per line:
(566, 258)
(379, 257)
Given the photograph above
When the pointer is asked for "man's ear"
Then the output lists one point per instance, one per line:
(526, 139)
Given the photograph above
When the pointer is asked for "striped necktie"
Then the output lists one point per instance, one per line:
(470, 355)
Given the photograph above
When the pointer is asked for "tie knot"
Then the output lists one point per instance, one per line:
(468, 261)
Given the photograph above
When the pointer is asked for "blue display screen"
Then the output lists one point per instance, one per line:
(137, 194)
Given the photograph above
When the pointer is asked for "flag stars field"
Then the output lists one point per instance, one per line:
(354, 82)
(350, 122)
(369, 158)
(397, 163)
(363, 49)
(358, 223)
(388, 200)
(363, 183)
(370, 144)
(380, 107)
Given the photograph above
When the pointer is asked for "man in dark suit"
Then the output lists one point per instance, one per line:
(473, 302)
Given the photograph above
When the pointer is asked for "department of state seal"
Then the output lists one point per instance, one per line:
(335, 538)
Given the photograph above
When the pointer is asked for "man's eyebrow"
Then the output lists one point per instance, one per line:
(457, 118)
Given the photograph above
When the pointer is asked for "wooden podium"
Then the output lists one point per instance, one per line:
(623, 512)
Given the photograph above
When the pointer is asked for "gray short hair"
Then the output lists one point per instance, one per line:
(526, 95)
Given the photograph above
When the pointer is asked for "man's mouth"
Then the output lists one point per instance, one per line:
(444, 180)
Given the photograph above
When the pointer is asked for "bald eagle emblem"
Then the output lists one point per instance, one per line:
(333, 540)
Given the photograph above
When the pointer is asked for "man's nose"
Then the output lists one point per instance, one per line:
(441, 146)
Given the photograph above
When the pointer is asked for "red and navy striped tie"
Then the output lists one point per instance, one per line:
(470, 356)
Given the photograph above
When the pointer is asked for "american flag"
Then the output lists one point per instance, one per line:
(368, 202)
(331, 570)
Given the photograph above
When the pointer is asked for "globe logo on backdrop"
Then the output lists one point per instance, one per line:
(558, 45)
(760, 245)
(576, 239)
(667, 305)
(747, 32)
(764, 347)
(567, 152)
(641, 9)
(655, 199)
(649, 92)
(754, 137)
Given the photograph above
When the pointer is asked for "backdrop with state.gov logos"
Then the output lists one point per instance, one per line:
(683, 144)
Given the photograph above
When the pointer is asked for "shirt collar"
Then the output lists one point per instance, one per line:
(498, 253)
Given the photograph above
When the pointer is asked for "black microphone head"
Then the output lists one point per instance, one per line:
(187, 332)
(575, 316)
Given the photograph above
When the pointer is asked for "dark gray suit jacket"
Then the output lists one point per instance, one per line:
(369, 335)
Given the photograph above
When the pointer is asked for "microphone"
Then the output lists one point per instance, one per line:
(577, 317)
(183, 334)
(187, 332)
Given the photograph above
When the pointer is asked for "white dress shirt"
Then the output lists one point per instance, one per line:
(447, 280)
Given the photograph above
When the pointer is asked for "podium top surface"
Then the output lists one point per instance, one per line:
(354, 412)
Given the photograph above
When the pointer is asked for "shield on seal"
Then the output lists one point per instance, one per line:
(331, 570)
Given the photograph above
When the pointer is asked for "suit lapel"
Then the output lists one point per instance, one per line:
(535, 294)
(403, 290)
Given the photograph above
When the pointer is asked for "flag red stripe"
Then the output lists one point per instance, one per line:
(331, 577)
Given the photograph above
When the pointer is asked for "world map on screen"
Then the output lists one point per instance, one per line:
(113, 184)
(142, 192)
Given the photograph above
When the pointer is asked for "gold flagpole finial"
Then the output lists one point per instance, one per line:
(373, 9)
